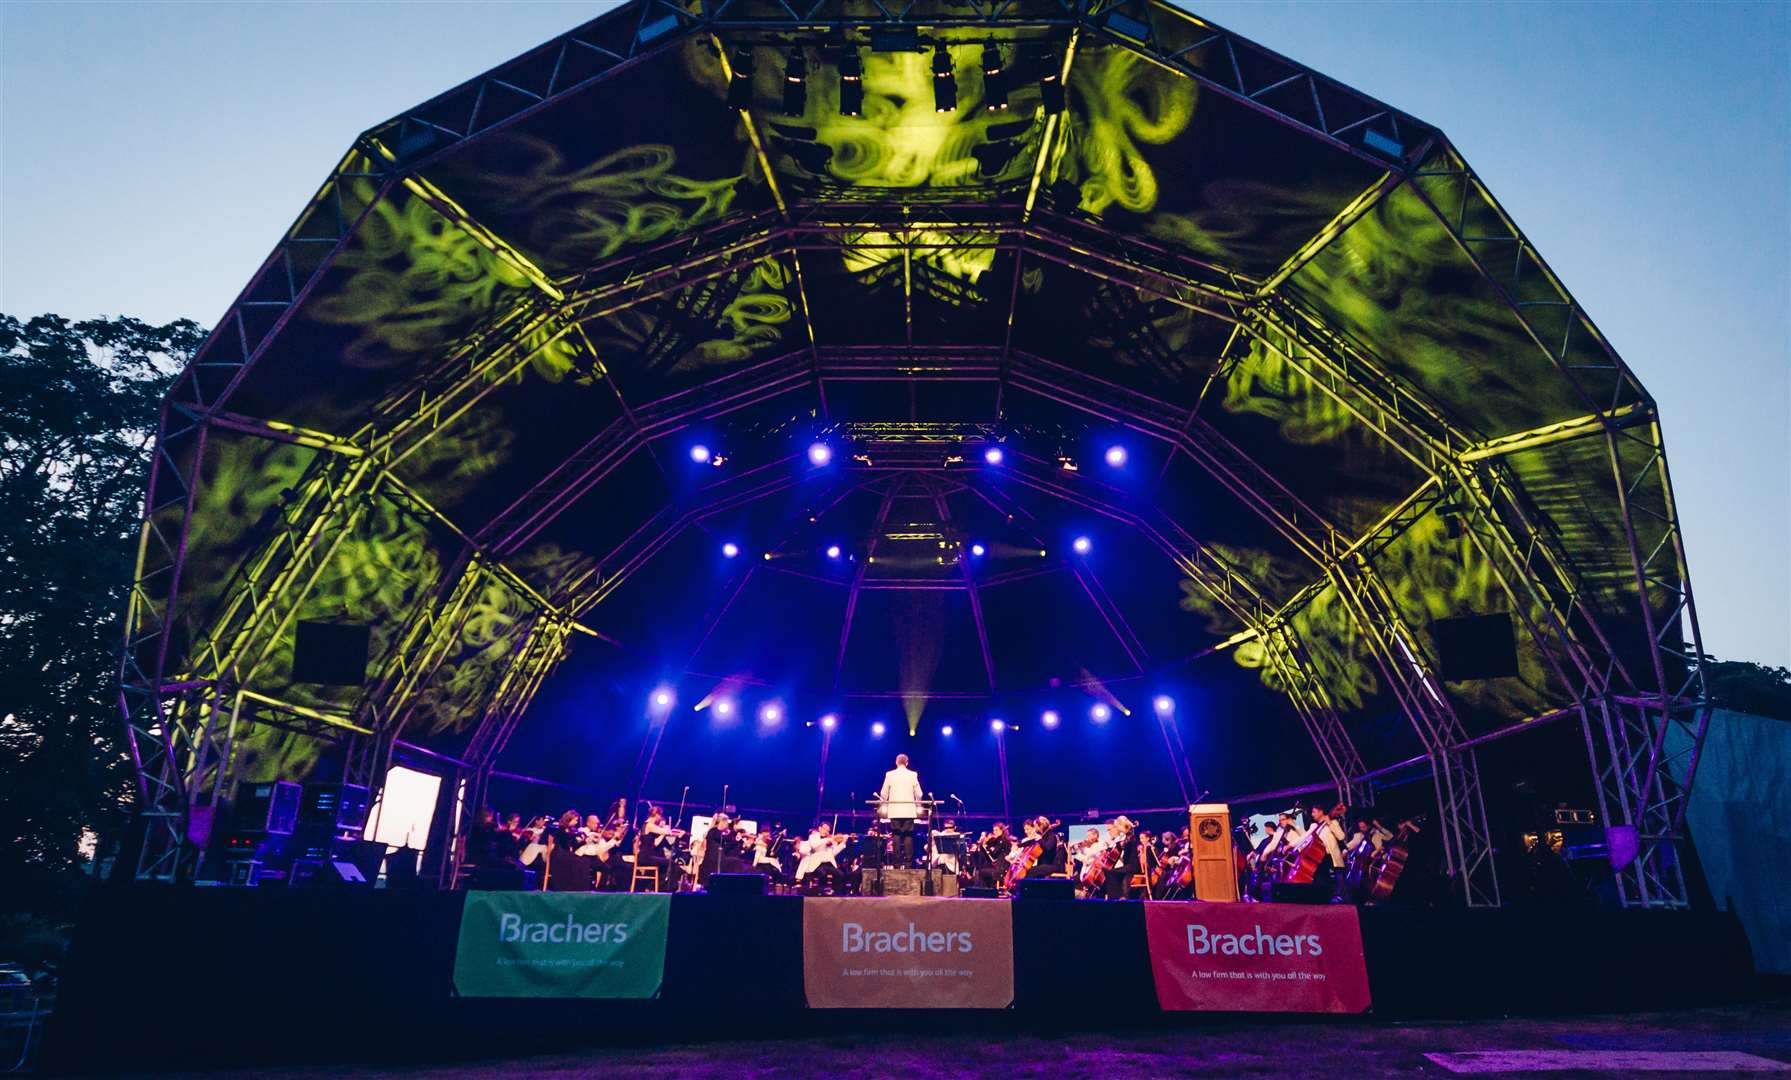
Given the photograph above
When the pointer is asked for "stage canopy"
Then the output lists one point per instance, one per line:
(1111, 351)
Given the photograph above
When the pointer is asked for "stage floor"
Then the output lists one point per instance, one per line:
(180, 978)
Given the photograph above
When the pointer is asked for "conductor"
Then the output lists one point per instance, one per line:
(900, 801)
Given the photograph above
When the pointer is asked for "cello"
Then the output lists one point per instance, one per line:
(1029, 857)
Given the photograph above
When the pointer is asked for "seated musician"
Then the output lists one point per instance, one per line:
(554, 847)
(764, 857)
(594, 844)
(1054, 855)
(996, 845)
(657, 846)
(820, 855)
(1124, 838)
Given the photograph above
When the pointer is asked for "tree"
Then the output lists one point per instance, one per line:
(78, 408)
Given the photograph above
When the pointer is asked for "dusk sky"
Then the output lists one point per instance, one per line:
(151, 154)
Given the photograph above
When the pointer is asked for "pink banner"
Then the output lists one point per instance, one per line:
(1256, 957)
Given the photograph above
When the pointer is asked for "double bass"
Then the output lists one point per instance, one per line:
(1391, 862)
(1028, 858)
(1311, 853)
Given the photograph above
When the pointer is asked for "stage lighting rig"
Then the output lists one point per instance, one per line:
(945, 83)
(851, 83)
(796, 82)
(994, 79)
(740, 80)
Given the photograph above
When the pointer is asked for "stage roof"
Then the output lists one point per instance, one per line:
(458, 402)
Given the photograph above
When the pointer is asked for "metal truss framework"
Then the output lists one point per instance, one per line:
(183, 706)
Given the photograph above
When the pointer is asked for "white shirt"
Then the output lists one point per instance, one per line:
(1329, 834)
(901, 794)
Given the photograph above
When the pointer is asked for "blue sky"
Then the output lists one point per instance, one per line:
(151, 153)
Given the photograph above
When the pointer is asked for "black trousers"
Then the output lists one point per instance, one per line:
(902, 830)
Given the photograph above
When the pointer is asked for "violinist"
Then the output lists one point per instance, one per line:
(656, 845)
(719, 854)
(1129, 861)
(996, 845)
(555, 847)
(820, 857)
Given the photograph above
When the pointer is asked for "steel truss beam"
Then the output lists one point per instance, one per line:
(181, 723)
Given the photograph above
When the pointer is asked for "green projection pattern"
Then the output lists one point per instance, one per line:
(1121, 104)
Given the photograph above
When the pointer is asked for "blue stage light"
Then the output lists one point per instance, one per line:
(877, 729)
(1115, 457)
(1164, 703)
(1082, 545)
(730, 549)
(997, 726)
(993, 455)
(978, 550)
(699, 454)
(946, 730)
(833, 551)
(1049, 718)
(819, 454)
(1100, 713)
(829, 722)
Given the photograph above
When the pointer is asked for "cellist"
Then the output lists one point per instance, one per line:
(1053, 857)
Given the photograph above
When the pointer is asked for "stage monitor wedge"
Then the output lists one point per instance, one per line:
(331, 654)
(1475, 646)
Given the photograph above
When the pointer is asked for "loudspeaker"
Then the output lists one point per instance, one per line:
(331, 653)
(981, 892)
(269, 808)
(1045, 888)
(401, 868)
(324, 873)
(736, 884)
(1475, 646)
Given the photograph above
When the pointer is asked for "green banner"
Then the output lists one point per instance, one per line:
(564, 945)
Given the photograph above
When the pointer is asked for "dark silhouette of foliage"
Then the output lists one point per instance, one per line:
(78, 408)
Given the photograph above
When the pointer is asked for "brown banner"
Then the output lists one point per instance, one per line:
(907, 952)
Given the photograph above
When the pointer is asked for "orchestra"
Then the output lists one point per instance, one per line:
(1351, 859)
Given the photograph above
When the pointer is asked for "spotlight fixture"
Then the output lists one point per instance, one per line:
(1115, 457)
(829, 722)
(877, 729)
(820, 454)
(796, 83)
(833, 551)
(994, 79)
(770, 714)
(978, 550)
(730, 549)
(945, 730)
(993, 455)
(851, 83)
(700, 454)
(1163, 703)
(1051, 91)
(1100, 713)
(662, 698)
(724, 707)
(1082, 545)
(997, 726)
(740, 82)
(1049, 718)
(945, 84)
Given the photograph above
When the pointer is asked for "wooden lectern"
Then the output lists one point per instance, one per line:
(1215, 857)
